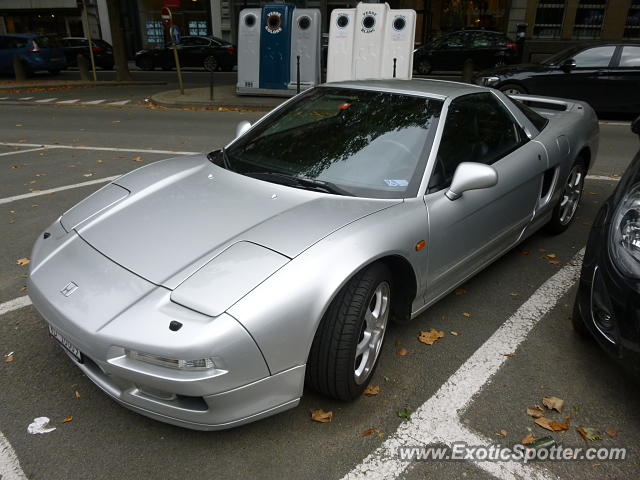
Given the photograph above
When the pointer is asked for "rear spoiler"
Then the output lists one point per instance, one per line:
(545, 103)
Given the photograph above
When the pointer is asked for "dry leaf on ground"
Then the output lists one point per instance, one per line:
(369, 431)
(67, 419)
(321, 416)
(9, 359)
(138, 159)
(460, 291)
(402, 352)
(454, 333)
(466, 314)
(551, 255)
(502, 433)
(588, 433)
(525, 252)
(431, 336)
(611, 432)
(553, 403)
(23, 261)
(552, 424)
(372, 390)
(528, 439)
(77, 394)
(536, 411)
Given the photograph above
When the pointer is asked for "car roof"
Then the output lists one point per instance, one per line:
(439, 89)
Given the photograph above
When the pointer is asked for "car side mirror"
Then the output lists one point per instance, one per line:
(568, 65)
(471, 176)
(242, 128)
(635, 126)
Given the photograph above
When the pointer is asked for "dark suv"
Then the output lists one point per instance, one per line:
(449, 52)
(102, 51)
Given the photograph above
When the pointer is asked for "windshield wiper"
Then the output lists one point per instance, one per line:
(300, 182)
(225, 158)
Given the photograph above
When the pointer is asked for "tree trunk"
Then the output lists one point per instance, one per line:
(117, 37)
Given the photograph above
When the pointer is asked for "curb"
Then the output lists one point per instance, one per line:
(79, 84)
(157, 99)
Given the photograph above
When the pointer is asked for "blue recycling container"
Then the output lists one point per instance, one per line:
(275, 46)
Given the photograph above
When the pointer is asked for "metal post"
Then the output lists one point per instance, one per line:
(175, 56)
(298, 74)
(394, 67)
(88, 30)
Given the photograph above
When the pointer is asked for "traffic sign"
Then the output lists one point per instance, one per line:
(175, 34)
(165, 13)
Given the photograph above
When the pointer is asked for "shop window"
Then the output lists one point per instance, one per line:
(632, 25)
(549, 19)
(154, 32)
(589, 18)
(197, 27)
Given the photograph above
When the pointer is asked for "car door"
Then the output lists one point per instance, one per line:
(200, 50)
(449, 52)
(623, 81)
(467, 233)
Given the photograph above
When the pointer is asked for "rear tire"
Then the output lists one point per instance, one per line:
(565, 211)
(512, 89)
(424, 67)
(210, 64)
(346, 348)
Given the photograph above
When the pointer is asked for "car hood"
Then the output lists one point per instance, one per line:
(168, 219)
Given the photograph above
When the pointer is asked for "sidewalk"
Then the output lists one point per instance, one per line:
(53, 84)
(224, 96)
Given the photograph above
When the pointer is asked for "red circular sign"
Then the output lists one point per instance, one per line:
(165, 13)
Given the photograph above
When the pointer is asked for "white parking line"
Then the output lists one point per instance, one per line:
(102, 149)
(4, 98)
(46, 100)
(22, 151)
(438, 419)
(68, 102)
(10, 468)
(26, 98)
(602, 177)
(616, 124)
(94, 102)
(14, 304)
(121, 102)
(54, 190)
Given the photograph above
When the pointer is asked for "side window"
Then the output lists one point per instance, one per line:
(187, 41)
(481, 40)
(200, 42)
(594, 57)
(630, 57)
(4, 43)
(479, 129)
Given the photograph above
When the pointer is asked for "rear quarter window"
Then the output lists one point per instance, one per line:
(534, 117)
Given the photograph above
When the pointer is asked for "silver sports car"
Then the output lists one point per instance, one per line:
(206, 291)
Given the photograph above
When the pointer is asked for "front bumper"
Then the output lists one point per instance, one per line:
(113, 309)
(607, 301)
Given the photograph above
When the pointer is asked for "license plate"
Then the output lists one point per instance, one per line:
(66, 344)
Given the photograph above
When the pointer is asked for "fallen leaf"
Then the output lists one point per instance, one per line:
(502, 433)
(588, 433)
(23, 288)
(466, 314)
(99, 161)
(514, 294)
(12, 211)
(460, 291)
(431, 336)
(611, 432)
(32, 182)
(321, 416)
(404, 413)
(536, 411)
(552, 425)
(23, 261)
(398, 343)
(138, 159)
(19, 125)
(454, 333)
(507, 354)
(14, 167)
(41, 174)
(77, 394)
(372, 390)
(67, 419)
(402, 352)
(87, 174)
(528, 439)
(71, 165)
(554, 262)
(553, 403)
(551, 255)
(12, 221)
(525, 252)
(9, 359)
(368, 432)
(542, 249)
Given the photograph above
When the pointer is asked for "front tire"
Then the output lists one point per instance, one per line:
(345, 350)
(512, 89)
(565, 211)
(210, 63)
(424, 66)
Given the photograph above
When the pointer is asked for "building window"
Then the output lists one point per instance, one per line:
(154, 32)
(589, 18)
(197, 27)
(632, 26)
(549, 18)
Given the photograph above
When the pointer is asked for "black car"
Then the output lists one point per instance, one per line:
(607, 305)
(606, 75)
(210, 53)
(449, 52)
(102, 51)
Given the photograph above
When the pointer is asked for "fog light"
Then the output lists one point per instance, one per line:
(178, 364)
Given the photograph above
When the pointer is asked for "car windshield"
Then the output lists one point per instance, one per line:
(363, 143)
(556, 58)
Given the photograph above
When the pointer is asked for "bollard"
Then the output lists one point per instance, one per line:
(394, 67)
(83, 66)
(20, 68)
(467, 71)
(298, 74)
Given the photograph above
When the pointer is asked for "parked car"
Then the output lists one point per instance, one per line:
(606, 75)
(210, 53)
(102, 51)
(449, 52)
(606, 306)
(228, 279)
(38, 52)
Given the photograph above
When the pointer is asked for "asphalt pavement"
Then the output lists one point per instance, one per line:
(514, 315)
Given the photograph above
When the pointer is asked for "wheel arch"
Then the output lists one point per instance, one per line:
(585, 154)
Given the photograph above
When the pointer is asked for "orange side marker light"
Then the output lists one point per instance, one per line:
(420, 245)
